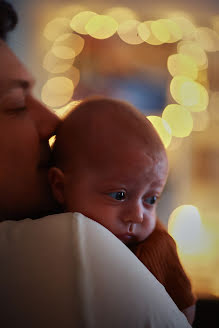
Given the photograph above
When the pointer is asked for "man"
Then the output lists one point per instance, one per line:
(25, 126)
(62, 270)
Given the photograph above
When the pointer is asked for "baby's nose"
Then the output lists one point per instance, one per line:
(135, 214)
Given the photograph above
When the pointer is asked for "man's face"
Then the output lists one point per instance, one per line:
(121, 194)
(25, 127)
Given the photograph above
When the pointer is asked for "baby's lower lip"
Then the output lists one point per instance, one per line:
(126, 238)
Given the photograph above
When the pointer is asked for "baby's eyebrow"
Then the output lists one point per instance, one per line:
(157, 184)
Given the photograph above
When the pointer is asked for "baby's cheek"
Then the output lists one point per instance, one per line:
(148, 228)
(111, 226)
(153, 224)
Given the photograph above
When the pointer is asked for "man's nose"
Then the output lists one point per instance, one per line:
(45, 120)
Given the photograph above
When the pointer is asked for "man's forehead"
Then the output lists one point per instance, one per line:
(12, 72)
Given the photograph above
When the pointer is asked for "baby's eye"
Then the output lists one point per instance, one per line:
(118, 195)
(151, 200)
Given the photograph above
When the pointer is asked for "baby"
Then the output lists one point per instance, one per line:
(111, 166)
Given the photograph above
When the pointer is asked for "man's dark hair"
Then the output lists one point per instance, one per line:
(8, 18)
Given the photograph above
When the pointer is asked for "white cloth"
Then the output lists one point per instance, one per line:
(66, 270)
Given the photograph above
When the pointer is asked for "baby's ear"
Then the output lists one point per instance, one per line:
(56, 180)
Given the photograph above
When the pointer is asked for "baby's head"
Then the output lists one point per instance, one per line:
(111, 166)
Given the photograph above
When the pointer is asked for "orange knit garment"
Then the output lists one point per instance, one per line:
(158, 253)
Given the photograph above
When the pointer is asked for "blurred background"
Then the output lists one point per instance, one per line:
(163, 57)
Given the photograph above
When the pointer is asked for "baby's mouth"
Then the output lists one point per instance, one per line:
(127, 238)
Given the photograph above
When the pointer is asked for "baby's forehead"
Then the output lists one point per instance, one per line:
(130, 167)
(101, 128)
(131, 159)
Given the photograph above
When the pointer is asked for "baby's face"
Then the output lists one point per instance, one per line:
(122, 195)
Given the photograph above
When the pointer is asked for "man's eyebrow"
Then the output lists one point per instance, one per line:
(24, 84)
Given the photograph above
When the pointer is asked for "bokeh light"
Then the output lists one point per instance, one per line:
(121, 14)
(189, 93)
(207, 38)
(80, 20)
(128, 32)
(152, 38)
(143, 31)
(57, 91)
(73, 74)
(52, 140)
(56, 65)
(193, 49)
(187, 28)
(179, 119)
(185, 226)
(179, 64)
(70, 40)
(101, 26)
(160, 30)
(56, 27)
(63, 52)
(175, 33)
(162, 128)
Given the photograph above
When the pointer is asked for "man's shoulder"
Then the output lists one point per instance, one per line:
(64, 230)
(59, 220)
(51, 233)
(66, 268)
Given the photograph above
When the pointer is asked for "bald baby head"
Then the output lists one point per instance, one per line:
(99, 130)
